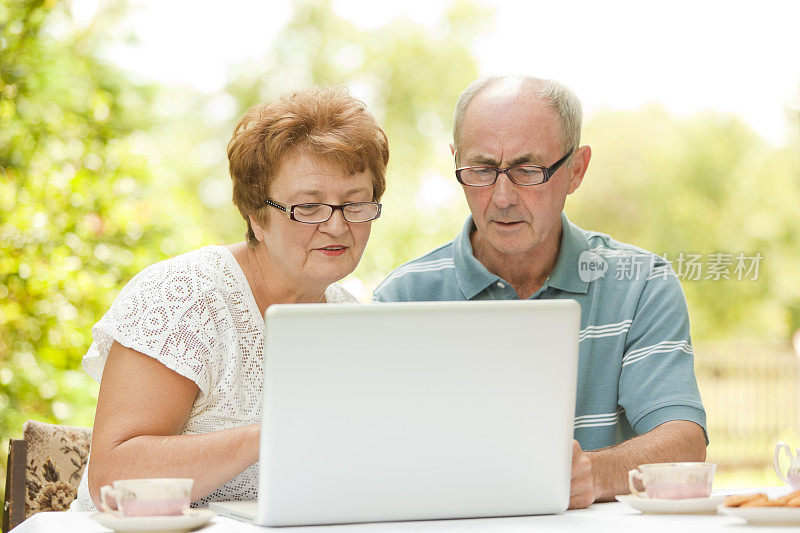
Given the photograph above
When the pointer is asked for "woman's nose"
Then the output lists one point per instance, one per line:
(336, 225)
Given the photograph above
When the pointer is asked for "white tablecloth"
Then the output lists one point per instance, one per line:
(599, 518)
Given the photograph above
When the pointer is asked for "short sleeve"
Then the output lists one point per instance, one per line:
(376, 298)
(386, 292)
(657, 383)
(166, 312)
(336, 294)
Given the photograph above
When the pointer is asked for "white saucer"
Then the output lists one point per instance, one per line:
(764, 515)
(664, 506)
(193, 519)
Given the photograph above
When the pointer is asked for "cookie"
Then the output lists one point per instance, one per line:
(759, 500)
(739, 499)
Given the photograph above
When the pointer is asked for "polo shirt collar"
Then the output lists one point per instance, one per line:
(473, 277)
(565, 274)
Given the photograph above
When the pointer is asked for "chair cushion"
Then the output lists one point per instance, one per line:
(56, 458)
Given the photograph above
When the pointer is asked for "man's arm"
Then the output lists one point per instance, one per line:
(674, 441)
(657, 388)
(607, 469)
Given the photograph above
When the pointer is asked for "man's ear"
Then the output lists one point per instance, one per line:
(578, 166)
(258, 231)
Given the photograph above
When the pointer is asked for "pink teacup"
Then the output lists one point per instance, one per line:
(673, 481)
(148, 497)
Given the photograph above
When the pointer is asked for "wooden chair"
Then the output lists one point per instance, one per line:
(44, 469)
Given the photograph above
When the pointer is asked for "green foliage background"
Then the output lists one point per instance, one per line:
(101, 175)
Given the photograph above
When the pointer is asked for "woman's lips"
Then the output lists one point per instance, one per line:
(333, 251)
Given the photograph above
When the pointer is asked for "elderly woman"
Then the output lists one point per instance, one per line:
(180, 351)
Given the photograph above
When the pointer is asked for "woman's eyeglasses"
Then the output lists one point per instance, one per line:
(317, 213)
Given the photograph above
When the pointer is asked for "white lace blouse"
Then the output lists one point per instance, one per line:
(195, 313)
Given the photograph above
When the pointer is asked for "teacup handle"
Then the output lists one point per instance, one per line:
(107, 490)
(777, 461)
(633, 475)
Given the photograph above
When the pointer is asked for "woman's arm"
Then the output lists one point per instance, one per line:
(141, 410)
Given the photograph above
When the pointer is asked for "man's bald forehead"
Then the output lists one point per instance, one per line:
(521, 92)
(510, 87)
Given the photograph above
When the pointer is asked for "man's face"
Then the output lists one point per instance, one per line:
(502, 128)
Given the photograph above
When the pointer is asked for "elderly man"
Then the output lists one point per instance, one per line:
(516, 143)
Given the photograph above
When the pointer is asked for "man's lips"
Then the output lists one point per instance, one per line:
(509, 223)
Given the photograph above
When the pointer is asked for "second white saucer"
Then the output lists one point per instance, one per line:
(664, 506)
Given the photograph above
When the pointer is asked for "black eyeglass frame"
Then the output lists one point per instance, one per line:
(288, 210)
(547, 172)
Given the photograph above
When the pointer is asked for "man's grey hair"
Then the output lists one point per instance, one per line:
(562, 100)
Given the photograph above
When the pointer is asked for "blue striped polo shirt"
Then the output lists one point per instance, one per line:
(636, 363)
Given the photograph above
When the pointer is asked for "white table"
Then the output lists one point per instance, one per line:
(599, 518)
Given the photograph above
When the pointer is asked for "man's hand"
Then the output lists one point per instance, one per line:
(581, 491)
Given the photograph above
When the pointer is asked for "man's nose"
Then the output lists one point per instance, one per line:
(504, 193)
(336, 225)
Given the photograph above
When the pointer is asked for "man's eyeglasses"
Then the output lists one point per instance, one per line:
(519, 174)
(317, 213)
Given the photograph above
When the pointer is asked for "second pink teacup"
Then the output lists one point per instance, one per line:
(673, 481)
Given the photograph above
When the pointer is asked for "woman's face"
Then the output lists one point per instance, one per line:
(314, 255)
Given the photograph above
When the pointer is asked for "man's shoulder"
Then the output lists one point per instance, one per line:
(605, 244)
(628, 273)
(620, 255)
(415, 279)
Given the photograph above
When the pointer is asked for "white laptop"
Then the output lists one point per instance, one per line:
(415, 411)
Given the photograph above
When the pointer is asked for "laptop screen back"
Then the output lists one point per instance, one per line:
(417, 411)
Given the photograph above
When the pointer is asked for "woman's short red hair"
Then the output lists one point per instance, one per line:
(326, 122)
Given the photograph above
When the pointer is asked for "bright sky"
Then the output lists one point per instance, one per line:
(739, 57)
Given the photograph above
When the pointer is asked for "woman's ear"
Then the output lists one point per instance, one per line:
(258, 231)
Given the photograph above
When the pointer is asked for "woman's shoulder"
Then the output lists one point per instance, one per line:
(207, 257)
(174, 311)
(201, 270)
